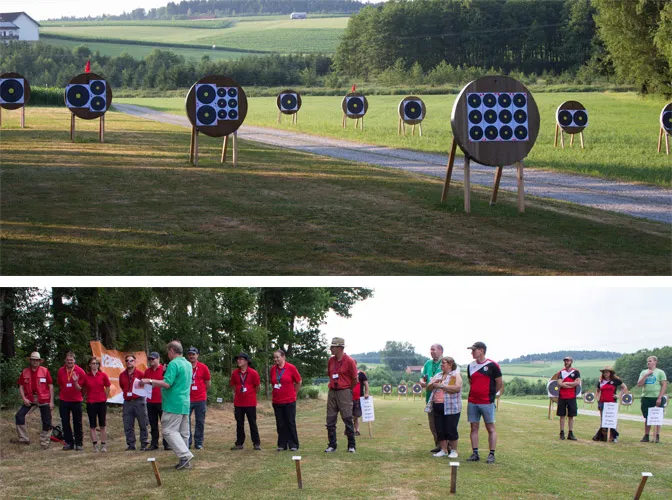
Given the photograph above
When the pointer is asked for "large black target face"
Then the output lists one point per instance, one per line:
(288, 102)
(666, 118)
(78, 96)
(11, 91)
(355, 105)
(553, 389)
(205, 94)
(97, 103)
(206, 115)
(413, 110)
(216, 106)
(97, 87)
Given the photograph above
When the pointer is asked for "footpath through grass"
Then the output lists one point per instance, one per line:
(395, 463)
(135, 206)
(621, 137)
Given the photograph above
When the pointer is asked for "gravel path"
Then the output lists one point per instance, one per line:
(632, 199)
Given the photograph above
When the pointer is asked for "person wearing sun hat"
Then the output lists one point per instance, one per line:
(342, 372)
(606, 393)
(36, 389)
(245, 382)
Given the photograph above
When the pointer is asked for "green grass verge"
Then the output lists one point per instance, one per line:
(613, 151)
(134, 206)
(394, 463)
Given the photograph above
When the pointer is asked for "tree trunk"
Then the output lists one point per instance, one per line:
(6, 323)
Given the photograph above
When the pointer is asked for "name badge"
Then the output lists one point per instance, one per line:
(69, 384)
(194, 387)
(43, 380)
(335, 375)
(244, 389)
(277, 386)
(129, 394)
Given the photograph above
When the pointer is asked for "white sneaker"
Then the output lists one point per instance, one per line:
(441, 453)
(330, 450)
(351, 450)
(453, 454)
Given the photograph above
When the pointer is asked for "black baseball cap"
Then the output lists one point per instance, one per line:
(477, 345)
(153, 355)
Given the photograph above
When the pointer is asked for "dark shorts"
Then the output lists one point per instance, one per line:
(96, 411)
(356, 408)
(567, 408)
(646, 404)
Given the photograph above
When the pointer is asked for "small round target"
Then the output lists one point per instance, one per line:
(221, 103)
(78, 96)
(417, 388)
(97, 87)
(520, 116)
(207, 114)
(505, 116)
(413, 110)
(580, 118)
(476, 133)
(475, 116)
(221, 92)
(222, 114)
(233, 92)
(98, 103)
(490, 116)
(589, 397)
(521, 133)
(401, 389)
(489, 100)
(387, 388)
(205, 94)
(491, 133)
(666, 118)
(355, 105)
(553, 389)
(474, 101)
(627, 399)
(565, 117)
(519, 100)
(233, 103)
(504, 100)
(506, 133)
(233, 114)
(11, 91)
(288, 101)
(571, 117)
(14, 91)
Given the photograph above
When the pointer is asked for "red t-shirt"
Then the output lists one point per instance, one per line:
(608, 390)
(283, 381)
(482, 382)
(94, 385)
(200, 374)
(126, 383)
(570, 375)
(155, 374)
(346, 369)
(357, 391)
(68, 392)
(245, 387)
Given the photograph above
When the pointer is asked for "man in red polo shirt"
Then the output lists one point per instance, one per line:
(68, 378)
(154, 412)
(135, 407)
(245, 382)
(36, 389)
(200, 383)
(342, 372)
(568, 381)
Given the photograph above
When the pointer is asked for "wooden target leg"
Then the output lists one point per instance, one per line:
(562, 139)
(343, 121)
(449, 170)
(521, 188)
(224, 146)
(660, 138)
(413, 130)
(297, 461)
(555, 142)
(362, 123)
(467, 184)
(279, 117)
(581, 137)
(235, 148)
(101, 130)
(495, 189)
(399, 127)
(571, 139)
(23, 117)
(550, 404)
(642, 483)
(196, 147)
(1, 121)
(72, 127)
(420, 128)
(156, 470)
(295, 118)
(667, 144)
(191, 145)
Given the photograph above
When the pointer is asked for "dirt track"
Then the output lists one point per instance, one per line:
(632, 199)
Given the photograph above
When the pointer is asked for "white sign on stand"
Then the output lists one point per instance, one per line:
(610, 415)
(367, 409)
(655, 416)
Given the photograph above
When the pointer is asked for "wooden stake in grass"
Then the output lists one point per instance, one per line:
(642, 483)
(156, 470)
(297, 461)
(453, 476)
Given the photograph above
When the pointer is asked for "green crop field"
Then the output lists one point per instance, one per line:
(588, 368)
(394, 463)
(613, 151)
(272, 34)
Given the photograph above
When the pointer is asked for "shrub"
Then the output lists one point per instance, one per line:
(308, 393)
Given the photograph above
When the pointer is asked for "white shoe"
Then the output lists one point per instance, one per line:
(441, 453)
(351, 450)
(330, 450)
(453, 454)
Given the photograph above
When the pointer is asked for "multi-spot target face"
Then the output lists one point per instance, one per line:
(88, 96)
(666, 118)
(495, 120)
(289, 102)
(216, 105)
(572, 117)
(14, 91)
(412, 110)
(355, 105)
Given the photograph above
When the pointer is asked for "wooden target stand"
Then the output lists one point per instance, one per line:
(86, 113)
(665, 128)
(402, 390)
(387, 390)
(13, 85)
(416, 389)
(219, 128)
(493, 153)
(289, 103)
(349, 110)
(565, 121)
(589, 399)
(415, 105)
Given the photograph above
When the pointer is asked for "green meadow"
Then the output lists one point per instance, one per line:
(620, 139)
(588, 368)
(394, 463)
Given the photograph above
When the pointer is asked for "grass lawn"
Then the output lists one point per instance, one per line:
(612, 151)
(134, 206)
(395, 463)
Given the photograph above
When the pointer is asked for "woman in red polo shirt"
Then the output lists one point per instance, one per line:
(286, 384)
(606, 393)
(97, 391)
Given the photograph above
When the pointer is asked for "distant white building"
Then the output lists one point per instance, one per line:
(298, 15)
(18, 26)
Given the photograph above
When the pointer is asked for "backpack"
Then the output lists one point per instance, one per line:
(57, 433)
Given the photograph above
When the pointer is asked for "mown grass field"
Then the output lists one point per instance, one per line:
(271, 34)
(135, 206)
(613, 151)
(395, 463)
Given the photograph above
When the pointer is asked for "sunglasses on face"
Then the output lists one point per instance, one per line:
(130, 361)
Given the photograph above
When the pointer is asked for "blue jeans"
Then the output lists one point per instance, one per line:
(199, 408)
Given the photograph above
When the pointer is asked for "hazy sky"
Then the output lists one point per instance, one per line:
(513, 317)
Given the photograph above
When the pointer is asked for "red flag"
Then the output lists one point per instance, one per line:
(354, 88)
(87, 68)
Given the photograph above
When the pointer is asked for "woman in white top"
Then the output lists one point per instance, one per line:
(446, 401)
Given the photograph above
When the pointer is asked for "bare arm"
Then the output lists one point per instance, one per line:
(366, 389)
(456, 387)
(26, 401)
(297, 386)
(156, 383)
(663, 389)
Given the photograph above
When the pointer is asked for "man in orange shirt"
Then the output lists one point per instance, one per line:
(342, 372)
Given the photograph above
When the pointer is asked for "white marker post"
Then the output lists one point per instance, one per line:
(297, 461)
(453, 476)
(156, 470)
(220, 400)
(645, 476)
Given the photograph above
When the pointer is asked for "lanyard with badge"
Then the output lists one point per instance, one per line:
(69, 375)
(131, 376)
(194, 386)
(334, 376)
(242, 381)
(278, 374)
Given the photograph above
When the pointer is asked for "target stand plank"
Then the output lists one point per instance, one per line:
(155, 468)
(449, 170)
(642, 483)
(495, 188)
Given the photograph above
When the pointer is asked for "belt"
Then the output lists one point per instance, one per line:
(341, 389)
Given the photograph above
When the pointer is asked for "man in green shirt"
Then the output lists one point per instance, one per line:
(431, 368)
(175, 404)
(654, 385)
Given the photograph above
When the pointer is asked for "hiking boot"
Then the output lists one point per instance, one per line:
(435, 450)
(198, 447)
(68, 447)
(491, 459)
(293, 448)
(571, 436)
(280, 448)
(130, 448)
(351, 449)
(657, 438)
(615, 440)
(150, 448)
(143, 447)
(452, 454)
(79, 447)
(330, 449)
(103, 448)
(257, 447)
(474, 458)
(237, 447)
(95, 448)
(562, 435)
(645, 439)
(184, 463)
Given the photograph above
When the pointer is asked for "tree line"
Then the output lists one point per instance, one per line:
(559, 355)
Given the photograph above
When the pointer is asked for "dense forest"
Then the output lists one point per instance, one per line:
(559, 355)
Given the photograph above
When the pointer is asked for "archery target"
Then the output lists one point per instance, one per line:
(417, 388)
(572, 117)
(77, 96)
(627, 399)
(215, 104)
(11, 90)
(553, 389)
(401, 389)
(97, 87)
(355, 105)
(387, 389)
(412, 110)
(498, 116)
(88, 96)
(589, 397)
(666, 118)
